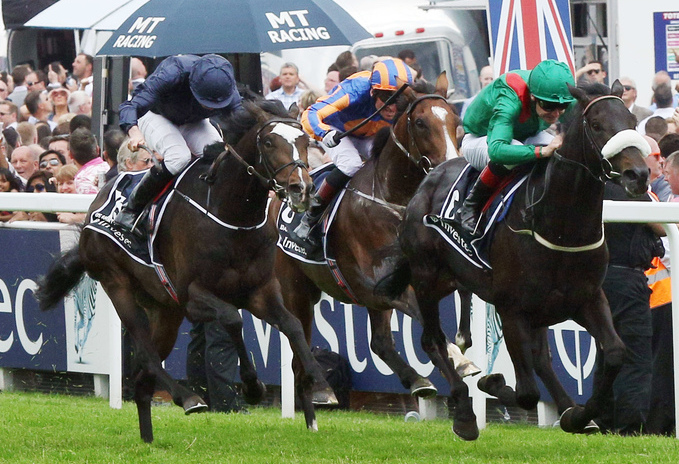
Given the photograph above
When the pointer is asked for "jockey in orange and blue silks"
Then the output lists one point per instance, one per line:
(352, 101)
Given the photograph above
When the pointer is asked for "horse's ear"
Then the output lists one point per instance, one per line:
(579, 94)
(442, 85)
(293, 111)
(617, 88)
(409, 93)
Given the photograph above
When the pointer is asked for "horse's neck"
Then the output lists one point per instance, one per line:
(395, 175)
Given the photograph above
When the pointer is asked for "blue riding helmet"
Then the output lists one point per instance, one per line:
(212, 81)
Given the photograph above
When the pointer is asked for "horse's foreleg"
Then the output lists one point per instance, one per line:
(434, 343)
(382, 343)
(544, 370)
(518, 337)
(596, 319)
(463, 337)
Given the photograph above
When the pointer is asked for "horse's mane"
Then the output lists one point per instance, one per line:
(420, 87)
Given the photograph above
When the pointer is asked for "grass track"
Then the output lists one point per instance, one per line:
(39, 428)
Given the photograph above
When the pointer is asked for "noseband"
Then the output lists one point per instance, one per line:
(421, 162)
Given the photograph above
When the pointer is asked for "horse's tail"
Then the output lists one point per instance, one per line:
(393, 284)
(62, 276)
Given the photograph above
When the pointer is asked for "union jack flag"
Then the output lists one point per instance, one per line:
(525, 32)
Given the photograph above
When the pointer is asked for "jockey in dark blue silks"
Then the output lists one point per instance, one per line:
(352, 101)
(169, 114)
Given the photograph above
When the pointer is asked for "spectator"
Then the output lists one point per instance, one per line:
(331, 80)
(289, 91)
(367, 62)
(347, 71)
(663, 99)
(51, 160)
(631, 247)
(43, 130)
(80, 103)
(56, 75)
(85, 153)
(40, 108)
(132, 161)
(59, 100)
(80, 121)
(275, 84)
(660, 78)
(82, 71)
(193, 90)
(113, 139)
(10, 183)
(354, 99)
(59, 143)
(345, 59)
(40, 182)
(656, 165)
(592, 73)
(4, 90)
(65, 184)
(19, 74)
(28, 134)
(668, 145)
(409, 57)
(629, 96)
(656, 127)
(485, 78)
(7, 79)
(36, 80)
(137, 73)
(25, 162)
(9, 114)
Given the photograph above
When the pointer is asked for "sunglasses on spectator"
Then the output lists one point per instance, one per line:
(628, 87)
(147, 161)
(30, 84)
(36, 188)
(594, 71)
(52, 162)
(551, 106)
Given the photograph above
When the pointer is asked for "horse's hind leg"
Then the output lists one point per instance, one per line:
(382, 343)
(463, 337)
(434, 343)
(596, 319)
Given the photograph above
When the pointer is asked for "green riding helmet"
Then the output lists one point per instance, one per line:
(548, 81)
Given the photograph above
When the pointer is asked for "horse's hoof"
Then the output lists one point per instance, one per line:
(423, 388)
(194, 404)
(313, 427)
(468, 369)
(254, 394)
(492, 384)
(467, 430)
(572, 421)
(324, 397)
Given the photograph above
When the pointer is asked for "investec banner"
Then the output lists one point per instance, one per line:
(74, 336)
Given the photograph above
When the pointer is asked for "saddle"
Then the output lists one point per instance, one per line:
(475, 249)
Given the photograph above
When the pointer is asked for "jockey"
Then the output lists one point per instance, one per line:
(505, 126)
(352, 101)
(169, 113)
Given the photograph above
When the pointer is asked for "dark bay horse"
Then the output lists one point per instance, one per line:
(364, 232)
(218, 250)
(548, 258)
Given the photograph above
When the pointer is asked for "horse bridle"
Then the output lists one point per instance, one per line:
(607, 172)
(422, 162)
(270, 182)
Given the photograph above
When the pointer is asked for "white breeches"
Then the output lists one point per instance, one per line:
(349, 154)
(475, 149)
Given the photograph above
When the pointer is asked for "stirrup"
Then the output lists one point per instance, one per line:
(128, 221)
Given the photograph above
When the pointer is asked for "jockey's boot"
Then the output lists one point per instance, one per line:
(467, 215)
(330, 186)
(150, 185)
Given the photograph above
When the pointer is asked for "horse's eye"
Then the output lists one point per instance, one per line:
(268, 144)
(596, 126)
(419, 123)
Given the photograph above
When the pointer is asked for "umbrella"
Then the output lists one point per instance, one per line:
(108, 15)
(170, 27)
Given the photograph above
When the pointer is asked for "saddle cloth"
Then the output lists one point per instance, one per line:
(140, 249)
(475, 250)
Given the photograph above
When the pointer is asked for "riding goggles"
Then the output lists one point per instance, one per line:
(551, 106)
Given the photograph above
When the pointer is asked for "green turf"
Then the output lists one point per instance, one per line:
(39, 428)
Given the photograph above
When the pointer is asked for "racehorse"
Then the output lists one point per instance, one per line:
(548, 258)
(218, 250)
(367, 218)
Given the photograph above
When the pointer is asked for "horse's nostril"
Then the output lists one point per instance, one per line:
(295, 189)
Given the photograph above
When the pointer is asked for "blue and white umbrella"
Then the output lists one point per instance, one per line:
(170, 27)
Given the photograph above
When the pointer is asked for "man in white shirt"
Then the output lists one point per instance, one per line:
(289, 92)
